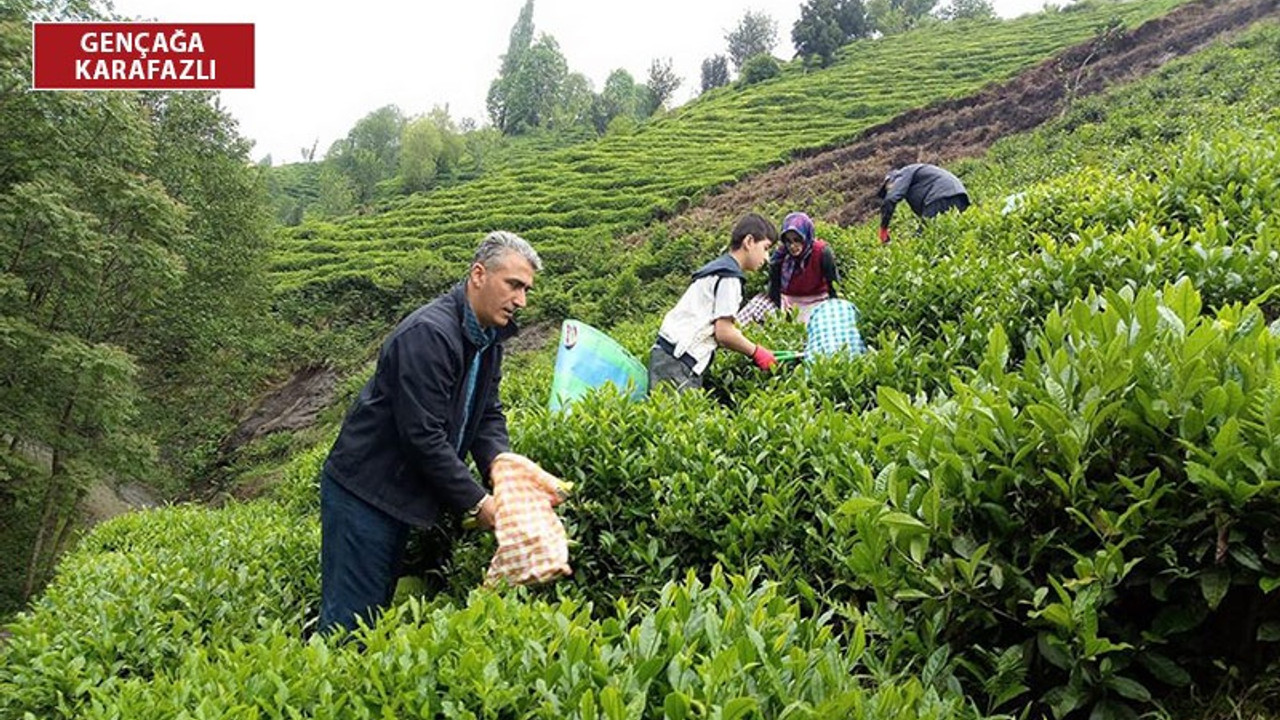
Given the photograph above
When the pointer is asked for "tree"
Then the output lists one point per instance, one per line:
(715, 72)
(518, 44)
(759, 69)
(853, 19)
(575, 104)
(968, 10)
(826, 25)
(756, 34)
(421, 145)
(817, 34)
(617, 98)
(336, 196)
(663, 83)
(370, 153)
(890, 17)
(205, 348)
(480, 145)
(534, 91)
(132, 282)
(450, 134)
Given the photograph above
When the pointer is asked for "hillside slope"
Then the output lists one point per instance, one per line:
(838, 185)
(576, 204)
(1050, 488)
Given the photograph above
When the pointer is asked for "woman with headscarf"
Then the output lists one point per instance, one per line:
(802, 272)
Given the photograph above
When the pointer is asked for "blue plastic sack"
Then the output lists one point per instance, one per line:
(590, 359)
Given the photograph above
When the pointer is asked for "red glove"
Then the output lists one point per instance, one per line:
(763, 358)
(884, 235)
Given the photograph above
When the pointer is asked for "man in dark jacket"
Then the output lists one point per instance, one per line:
(400, 456)
(928, 189)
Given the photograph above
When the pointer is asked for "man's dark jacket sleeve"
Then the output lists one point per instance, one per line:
(491, 437)
(420, 403)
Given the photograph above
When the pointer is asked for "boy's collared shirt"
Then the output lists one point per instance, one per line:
(690, 325)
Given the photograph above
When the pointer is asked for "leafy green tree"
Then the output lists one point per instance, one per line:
(87, 243)
(968, 10)
(662, 83)
(132, 240)
(336, 195)
(618, 98)
(206, 349)
(430, 147)
(575, 105)
(480, 147)
(421, 145)
(853, 20)
(825, 25)
(890, 17)
(759, 69)
(755, 34)
(715, 72)
(535, 89)
(370, 152)
(453, 145)
(817, 34)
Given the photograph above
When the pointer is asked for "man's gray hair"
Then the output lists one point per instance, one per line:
(498, 243)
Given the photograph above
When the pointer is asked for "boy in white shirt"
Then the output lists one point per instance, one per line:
(703, 319)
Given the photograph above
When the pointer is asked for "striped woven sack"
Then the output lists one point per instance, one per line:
(532, 544)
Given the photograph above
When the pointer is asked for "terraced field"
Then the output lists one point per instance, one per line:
(1049, 488)
(577, 203)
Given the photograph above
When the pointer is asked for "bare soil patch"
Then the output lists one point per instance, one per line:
(838, 184)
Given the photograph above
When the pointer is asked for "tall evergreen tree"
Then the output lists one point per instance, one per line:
(825, 25)
(817, 34)
(521, 39)
(534, 91)
(715, 72)
(662, 83)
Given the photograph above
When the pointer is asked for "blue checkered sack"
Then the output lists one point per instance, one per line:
(833, 329)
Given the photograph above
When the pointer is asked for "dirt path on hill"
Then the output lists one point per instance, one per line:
(838, 185)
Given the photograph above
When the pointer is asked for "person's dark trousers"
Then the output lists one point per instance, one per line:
(937, 207)
(360, 552)
(665, 369)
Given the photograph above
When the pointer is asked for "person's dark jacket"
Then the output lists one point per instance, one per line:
(920, 184)
(396, 450)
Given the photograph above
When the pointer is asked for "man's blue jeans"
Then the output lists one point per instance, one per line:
(360, 552)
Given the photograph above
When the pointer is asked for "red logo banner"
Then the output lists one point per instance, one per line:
(142, 56)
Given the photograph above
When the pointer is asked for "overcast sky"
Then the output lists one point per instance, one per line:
(320, 67)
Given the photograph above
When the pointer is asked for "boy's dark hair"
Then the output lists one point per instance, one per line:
(754, 225)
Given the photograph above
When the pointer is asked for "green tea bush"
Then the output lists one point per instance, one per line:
(144, 589)
(1050, 488)
(726, 648)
